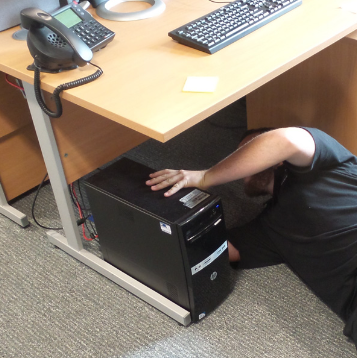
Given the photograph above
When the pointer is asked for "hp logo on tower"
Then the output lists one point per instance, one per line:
(213, 275)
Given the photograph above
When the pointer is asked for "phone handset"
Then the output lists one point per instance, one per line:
(55, 47)
(32, 18)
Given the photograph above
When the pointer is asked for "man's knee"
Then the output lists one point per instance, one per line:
(233, 253)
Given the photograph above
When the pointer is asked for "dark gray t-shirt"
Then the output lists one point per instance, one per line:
(313, 222)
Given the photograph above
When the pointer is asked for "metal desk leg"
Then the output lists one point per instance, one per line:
(10, 212)
(72, 243)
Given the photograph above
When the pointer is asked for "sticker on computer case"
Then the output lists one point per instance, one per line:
(200, 266)
(165, 228)
(193, 198)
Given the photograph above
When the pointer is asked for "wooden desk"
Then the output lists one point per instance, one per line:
(145, 70)
(141, 92)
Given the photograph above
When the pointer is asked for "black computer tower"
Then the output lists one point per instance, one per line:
(177, 246)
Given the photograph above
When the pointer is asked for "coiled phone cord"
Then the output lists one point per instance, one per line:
(59, 89)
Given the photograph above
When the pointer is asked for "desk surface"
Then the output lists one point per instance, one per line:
(145, 70)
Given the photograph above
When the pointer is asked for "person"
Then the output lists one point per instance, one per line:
(310, 221)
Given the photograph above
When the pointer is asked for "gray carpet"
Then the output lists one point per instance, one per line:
(53, 306)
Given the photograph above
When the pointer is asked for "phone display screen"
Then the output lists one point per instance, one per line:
(68, 18)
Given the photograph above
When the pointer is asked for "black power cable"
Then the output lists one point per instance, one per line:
(33, 207)
(79, 221)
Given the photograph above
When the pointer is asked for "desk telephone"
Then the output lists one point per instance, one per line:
(61, 41)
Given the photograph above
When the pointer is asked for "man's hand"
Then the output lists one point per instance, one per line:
(177, 179)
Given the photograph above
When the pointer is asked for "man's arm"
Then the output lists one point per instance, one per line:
(294, 145)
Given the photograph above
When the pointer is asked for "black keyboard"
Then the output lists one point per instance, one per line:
(229, 23)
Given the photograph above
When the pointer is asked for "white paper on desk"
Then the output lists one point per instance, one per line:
(200, 84)
(350, 7)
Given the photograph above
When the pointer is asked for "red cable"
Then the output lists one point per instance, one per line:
(13, 84)
(80, 214)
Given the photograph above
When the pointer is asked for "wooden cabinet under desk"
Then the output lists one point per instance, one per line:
(85, 140)
(319, 92)
(21, 163)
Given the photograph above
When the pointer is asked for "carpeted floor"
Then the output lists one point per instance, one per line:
(53, 306)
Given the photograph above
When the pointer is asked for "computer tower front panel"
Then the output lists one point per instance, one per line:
(207, 263)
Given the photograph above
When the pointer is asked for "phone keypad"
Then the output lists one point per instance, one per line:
(92, 33)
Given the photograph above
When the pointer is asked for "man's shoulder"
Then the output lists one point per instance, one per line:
(329, 152)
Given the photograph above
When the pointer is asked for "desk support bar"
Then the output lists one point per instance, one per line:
(54, 167)
(72, 243)
(10, 212)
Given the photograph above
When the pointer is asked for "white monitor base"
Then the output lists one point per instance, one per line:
(103, 10)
